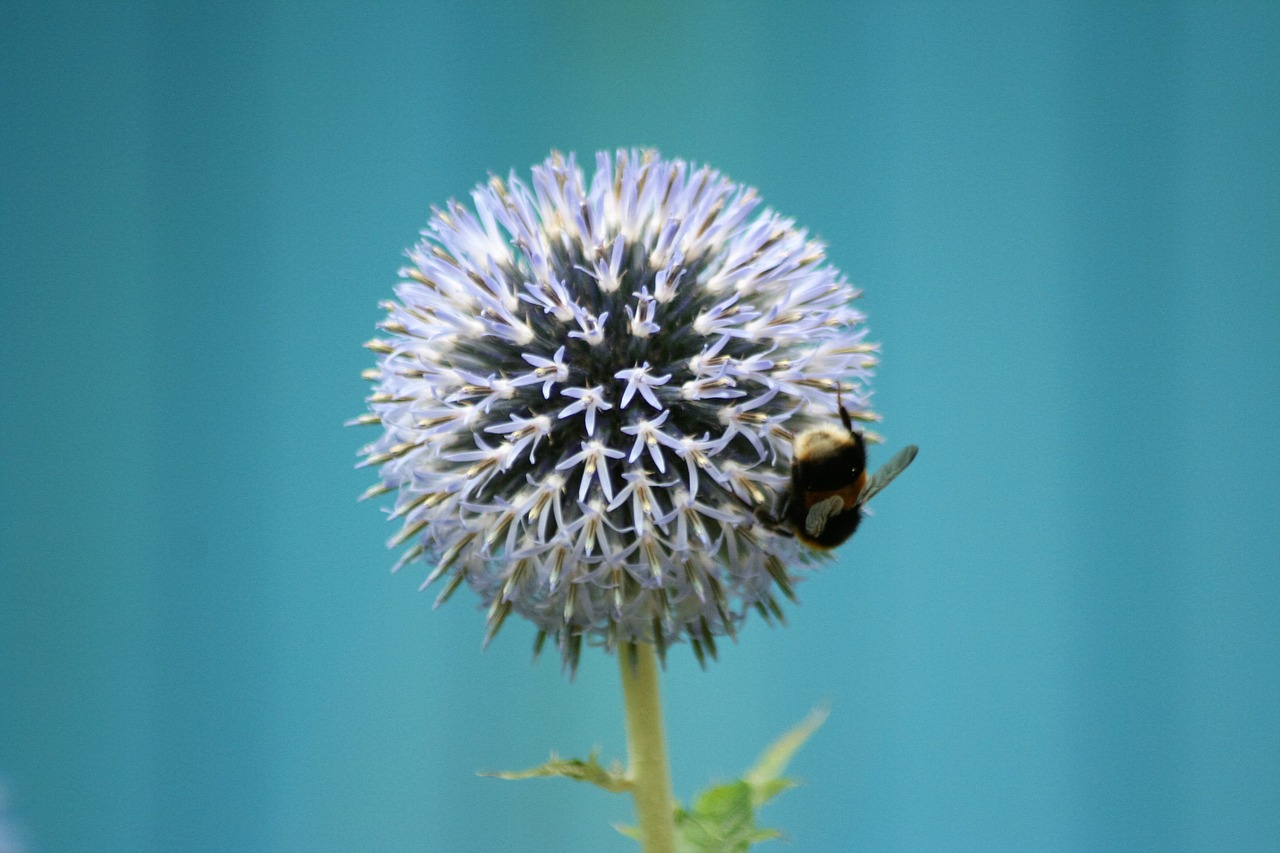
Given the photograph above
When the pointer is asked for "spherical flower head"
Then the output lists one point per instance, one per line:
(585, 386)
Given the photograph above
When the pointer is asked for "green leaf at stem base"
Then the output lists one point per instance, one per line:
(613, 779)
(722, 819)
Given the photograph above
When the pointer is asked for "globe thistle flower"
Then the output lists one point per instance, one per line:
(584, 386)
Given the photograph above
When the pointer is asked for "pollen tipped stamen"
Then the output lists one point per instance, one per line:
(570, 603)
(658, 634)
(654, 558)
(408, 557)
(393, 452)
(374, 491)
(447, 560)
(557, 567)
(779, 574)
(449, 589)
(619, 597)
(695, 582)
(500, 528)
(409, 506)
(696, 645)
(406, 533)
(498, 613)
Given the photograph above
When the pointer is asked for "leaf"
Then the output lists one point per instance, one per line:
(613, 780)
(722, 819)
(765, 778)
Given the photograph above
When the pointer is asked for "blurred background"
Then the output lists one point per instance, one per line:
(1060, 632)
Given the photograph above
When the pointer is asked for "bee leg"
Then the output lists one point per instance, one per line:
(816, 520)
(773, 520)
(783, 506)
(766, 518)
(844, 413)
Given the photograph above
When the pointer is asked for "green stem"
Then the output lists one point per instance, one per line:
(647, 749)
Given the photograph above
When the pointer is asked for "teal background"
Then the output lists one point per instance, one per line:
(1060, 632)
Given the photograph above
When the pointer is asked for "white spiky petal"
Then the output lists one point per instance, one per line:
(575, 377)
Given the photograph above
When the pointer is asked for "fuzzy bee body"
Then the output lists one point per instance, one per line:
(822, 505)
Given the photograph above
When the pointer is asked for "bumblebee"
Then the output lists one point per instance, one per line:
(822, 505)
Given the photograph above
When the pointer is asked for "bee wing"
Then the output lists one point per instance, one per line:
(816, 521)
(887, 472)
